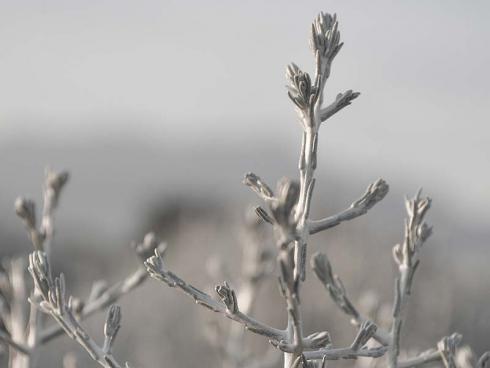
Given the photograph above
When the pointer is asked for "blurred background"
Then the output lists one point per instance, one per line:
(158, 108)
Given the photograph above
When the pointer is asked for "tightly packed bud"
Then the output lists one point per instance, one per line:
(262, 214)
(228, 297)
(300, 89)
(111, 326)
(258, 185)
(26, 210)
(321, 266)
(113, 321)
(374, 193)
(325, 36)
(56, 181)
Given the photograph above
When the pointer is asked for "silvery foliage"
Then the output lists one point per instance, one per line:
(287, 210)
(25, 329)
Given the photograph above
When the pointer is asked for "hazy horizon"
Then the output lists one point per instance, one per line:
(199, 92)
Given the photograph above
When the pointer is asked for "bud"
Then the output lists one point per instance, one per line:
(321, 267)
(111, 327)
(374, 193)
(56, 181)
(228, 297)
(300, 89)
(424, 232)
(260, 187)
(262, 214)
(325, 37)
(398, 254)
(155, 267)
(26, 210)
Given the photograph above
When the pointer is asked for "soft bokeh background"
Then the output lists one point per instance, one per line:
(157, 108)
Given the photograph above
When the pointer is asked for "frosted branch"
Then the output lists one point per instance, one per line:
(374, 194)
(333, 284)
(228, 307)
(55, 304)
(102, 296)
(406, 257)
(342, 100)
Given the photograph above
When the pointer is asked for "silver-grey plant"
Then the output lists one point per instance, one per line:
(24, 327)
(287, 211)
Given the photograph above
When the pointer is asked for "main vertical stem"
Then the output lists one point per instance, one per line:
(307, 166)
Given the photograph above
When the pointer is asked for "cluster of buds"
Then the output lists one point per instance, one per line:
(325, 41)
(416, 233)
(300, 89)
(156, 268)
(282, 206)
(53, 294)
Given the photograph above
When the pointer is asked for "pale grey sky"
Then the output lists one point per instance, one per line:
(177, 74)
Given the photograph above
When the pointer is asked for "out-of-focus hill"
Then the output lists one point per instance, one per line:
(116, 183)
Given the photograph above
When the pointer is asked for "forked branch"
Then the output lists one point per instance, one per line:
(54, 303)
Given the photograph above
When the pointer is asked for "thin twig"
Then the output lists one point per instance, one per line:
(407, 258)
(374, 193)
(54, 303)
(332, 283)
(229, 308)
(108, 297)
